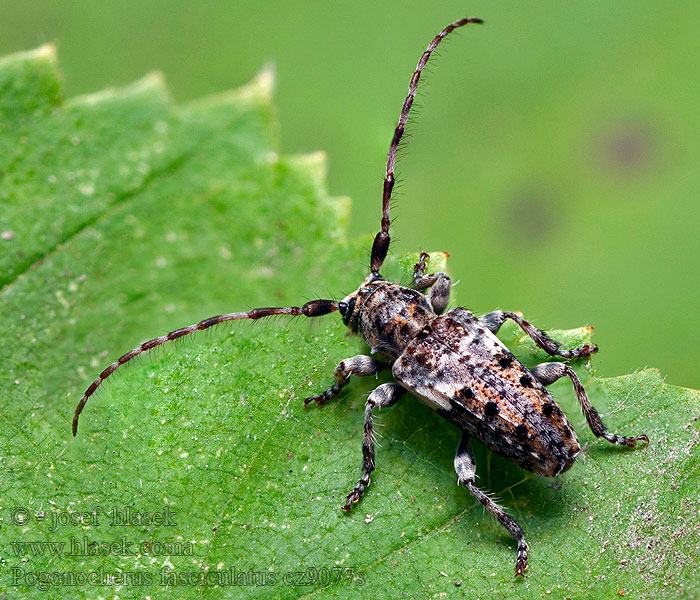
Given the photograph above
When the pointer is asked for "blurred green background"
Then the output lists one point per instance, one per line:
(557, 157)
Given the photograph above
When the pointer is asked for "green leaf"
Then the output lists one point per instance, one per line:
(126, 217)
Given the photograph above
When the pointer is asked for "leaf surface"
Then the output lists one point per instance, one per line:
(129, 217)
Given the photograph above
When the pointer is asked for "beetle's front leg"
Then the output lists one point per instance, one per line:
(548, 373)
(466, 473)
(495, 319)
(383, 396)
(439, 284)
(357, 365)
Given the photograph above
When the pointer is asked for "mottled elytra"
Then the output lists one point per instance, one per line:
(452, 361)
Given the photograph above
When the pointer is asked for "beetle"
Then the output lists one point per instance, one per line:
(451, 361)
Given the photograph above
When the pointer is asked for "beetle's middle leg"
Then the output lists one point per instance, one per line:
(495, 319)
(357, 365)
(548, 373)
(466, 473)
(383, 396)
(439, 284)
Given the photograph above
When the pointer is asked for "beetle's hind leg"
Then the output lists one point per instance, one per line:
(548, 373)
(357, 365)
(466, 473)
(495, 319)
(439, 284)
(383, 396)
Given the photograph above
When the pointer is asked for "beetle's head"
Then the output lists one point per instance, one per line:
(350, 307)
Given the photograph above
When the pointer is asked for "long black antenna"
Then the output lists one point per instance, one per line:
(315, 308)
(380, 247)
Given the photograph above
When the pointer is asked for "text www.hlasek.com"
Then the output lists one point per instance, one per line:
(85, 547)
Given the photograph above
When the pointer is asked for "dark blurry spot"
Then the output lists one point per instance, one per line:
(531, 215)
(626, 148)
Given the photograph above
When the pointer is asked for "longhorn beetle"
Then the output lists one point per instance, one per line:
(452, 362)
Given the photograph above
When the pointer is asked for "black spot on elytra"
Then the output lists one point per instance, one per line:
(567, 433)
(505, 361)
(526, 381)
(466, 393)
(547, 409)
(491, 409)
(423, 333)
(405, 330)
(521, 432)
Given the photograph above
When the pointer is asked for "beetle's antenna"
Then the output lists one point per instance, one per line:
(380, 247)
(315, 308)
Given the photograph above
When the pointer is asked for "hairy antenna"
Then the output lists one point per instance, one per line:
(380, 247)
(315, 308)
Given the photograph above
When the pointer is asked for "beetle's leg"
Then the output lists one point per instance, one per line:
(419, 272)
(439, 294)
(495, 319)
(547, 373)
(357, 365)
(466, 473)
(439, 284)
(384, 395)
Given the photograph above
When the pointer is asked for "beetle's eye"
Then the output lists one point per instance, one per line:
(346, 309)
